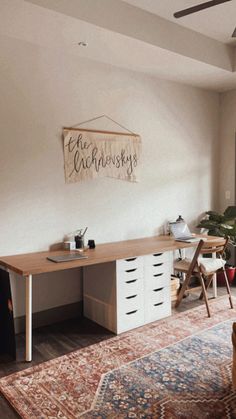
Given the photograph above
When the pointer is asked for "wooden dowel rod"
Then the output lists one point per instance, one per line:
(101, 132)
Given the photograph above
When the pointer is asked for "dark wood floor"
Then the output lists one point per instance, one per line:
(55, 340)
(51, 342)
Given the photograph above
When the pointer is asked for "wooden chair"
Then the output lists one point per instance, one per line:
(203, 269)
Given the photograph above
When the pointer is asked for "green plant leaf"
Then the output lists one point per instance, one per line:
(226, 227)
(215, 216)
(230, 212)
(207, 224)
(221, 225)
(212, 213)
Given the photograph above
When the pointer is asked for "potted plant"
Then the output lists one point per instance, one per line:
(222, 225)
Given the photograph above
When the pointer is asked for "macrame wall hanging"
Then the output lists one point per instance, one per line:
(90, 153)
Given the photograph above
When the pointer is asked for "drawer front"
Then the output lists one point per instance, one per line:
(158, 268)
(131, 302)
(156, 258)
(124, 265)
(157, 310)
(158, 295)
(129, 287)
(130, 319)
(157, 281)
(129, 274)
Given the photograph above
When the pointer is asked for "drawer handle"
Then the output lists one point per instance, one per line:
(131, 296)
(131, 270)
(158, 274)
(158, 264)
(130, 259)
(157, 304)
(158, 289)
(131, 312)
(157, 254)
(131, 281)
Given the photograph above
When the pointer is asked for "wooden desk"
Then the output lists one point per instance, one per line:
(30, 264)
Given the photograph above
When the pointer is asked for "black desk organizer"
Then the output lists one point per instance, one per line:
(7, 330)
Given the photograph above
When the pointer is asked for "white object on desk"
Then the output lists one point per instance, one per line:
(69, 245)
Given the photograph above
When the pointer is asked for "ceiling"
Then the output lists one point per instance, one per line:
(121, 34)
(217, 22)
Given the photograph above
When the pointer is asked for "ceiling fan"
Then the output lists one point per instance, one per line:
(199, 7)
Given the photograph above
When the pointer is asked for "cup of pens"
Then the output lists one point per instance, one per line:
(79, 238)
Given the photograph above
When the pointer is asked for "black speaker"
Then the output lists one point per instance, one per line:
(7, 330)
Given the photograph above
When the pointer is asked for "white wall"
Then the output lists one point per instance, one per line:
(227, 148)
(42, 90)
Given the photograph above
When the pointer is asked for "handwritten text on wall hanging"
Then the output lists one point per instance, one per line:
(89, 154)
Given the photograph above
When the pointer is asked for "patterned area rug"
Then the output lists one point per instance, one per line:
(179, 367)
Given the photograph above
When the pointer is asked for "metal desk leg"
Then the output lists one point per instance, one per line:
(214, 285)
(28, 323)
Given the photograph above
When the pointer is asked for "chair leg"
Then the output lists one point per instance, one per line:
(182, 290)
(204, 293)
(228, 289)
(208, 283)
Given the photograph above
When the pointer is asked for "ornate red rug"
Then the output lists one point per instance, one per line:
(178, 367)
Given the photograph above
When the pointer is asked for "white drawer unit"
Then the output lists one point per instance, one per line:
(128, 293)
(157, 302)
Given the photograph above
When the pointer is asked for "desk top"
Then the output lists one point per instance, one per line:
(37, 263)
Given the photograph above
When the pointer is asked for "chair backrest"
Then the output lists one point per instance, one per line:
(217, 246)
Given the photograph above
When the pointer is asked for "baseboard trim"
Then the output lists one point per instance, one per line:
(50, 316)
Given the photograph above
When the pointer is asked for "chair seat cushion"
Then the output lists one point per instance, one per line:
(210, 265)
(207, 265)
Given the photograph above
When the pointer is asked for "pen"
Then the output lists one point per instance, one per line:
(84, 231)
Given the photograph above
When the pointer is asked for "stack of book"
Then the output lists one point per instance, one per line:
(175, 283)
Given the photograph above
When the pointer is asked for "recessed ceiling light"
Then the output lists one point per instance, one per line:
(83, 44)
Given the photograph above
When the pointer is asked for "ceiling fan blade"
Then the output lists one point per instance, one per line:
(198, 7)
(234, 33)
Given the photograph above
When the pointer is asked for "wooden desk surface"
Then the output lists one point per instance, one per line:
(37, 263)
